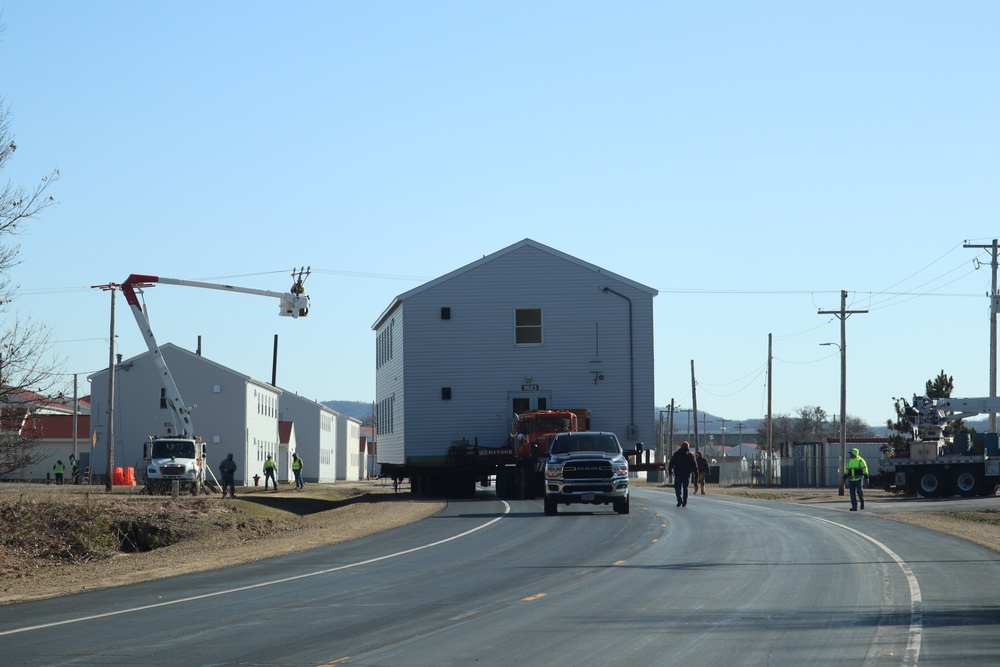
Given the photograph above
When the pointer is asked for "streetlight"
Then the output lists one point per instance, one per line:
(843, 412)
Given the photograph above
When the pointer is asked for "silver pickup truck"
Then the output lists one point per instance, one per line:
(586, 467)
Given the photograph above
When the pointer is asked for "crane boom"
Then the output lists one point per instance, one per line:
(294, 303)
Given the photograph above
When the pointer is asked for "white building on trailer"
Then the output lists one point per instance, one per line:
(527, 327)
(317, 436)
(232, 412)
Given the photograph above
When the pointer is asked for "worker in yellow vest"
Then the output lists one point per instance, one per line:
(59, 469)
(856, 474)
(270, 472)
(297, 471)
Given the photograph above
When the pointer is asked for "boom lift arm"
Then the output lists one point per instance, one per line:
(294, 303)
(929, 415)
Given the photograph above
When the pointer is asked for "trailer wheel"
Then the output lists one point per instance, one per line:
(551, 507)
(621, 506)
(967, 481)
(931, 483)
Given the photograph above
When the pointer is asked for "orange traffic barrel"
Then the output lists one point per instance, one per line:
(129, 476)
(119, 478)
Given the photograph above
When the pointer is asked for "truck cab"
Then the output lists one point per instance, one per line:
(167, 460)
(586, 467)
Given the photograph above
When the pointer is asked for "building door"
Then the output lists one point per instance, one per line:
(524, 401)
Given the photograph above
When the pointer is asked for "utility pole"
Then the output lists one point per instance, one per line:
(109, 483)
(843, 314)
(770, 449)
(670, 433)
(76, 412)
(694, 406)
(994, 296)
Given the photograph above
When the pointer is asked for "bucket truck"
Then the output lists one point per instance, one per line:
(932, 465)
(181, 455)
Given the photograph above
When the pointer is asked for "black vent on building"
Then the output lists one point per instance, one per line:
(445, 393)
(445, 313)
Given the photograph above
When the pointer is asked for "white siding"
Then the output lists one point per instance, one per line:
(225, 415)
(348, 441)
(587, 335)
(390, 397)
(315, 434)
(261, 430)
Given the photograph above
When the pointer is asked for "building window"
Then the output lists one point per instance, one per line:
(383, 344)
(528, 326)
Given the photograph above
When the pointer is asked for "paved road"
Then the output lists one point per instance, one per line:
(722, 581)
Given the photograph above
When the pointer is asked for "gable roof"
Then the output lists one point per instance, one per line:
(205, 360)
(40, 404)
(285, 432)
(526, 243)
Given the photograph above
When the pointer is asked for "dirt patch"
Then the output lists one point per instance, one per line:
(60, 540)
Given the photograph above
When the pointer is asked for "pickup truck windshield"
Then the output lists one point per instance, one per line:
(164, 449)
(565, 444)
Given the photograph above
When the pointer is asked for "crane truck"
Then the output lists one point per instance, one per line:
(181, 456)
(934, 466)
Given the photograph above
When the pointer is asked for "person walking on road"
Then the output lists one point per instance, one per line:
(702, 473)
(856, 474)
(681, 465)
(297, 471)
(228, 471)
(58, 469)
(270, 472)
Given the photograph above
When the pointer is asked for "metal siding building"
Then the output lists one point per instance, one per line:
(233, 413)
(315, 434)
(348, 441)
(448, 365)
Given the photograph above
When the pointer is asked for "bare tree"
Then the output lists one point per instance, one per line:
(24, 375)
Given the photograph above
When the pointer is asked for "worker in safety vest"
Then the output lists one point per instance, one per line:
(59, 469)
(270, 472)
(856, 474)
(297, 471)
(75, 468)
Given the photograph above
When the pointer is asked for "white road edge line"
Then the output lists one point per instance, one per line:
(912, 651)
(263, 584)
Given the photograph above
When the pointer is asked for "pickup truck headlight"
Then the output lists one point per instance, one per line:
(554, 470)
(621, 469)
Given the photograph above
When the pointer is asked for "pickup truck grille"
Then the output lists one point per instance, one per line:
(587, 470)
(587, 488)
(172, 470)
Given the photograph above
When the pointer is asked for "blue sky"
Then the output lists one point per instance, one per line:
(748, 160)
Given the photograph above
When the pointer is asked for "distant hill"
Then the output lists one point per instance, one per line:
(357, 409)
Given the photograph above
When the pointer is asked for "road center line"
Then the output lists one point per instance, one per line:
(263, 584)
